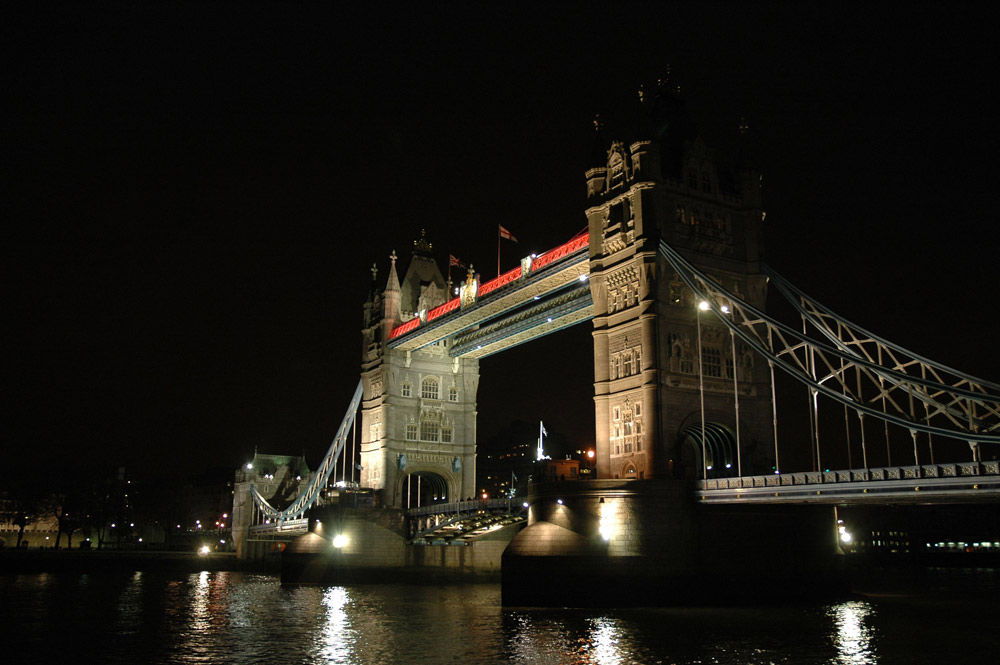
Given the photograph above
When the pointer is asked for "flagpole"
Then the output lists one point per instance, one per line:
(498, 250)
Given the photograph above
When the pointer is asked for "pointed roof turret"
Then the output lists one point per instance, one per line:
(392, 284)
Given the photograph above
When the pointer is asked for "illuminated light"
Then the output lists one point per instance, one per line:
(725, 309)
(583, 278)
(703, 306)
(549, 319)
(339, 541)
(140, 539)
(225, 515)
(590, 454)
(559, 501)
(485, 496)
(249, 466)
(536, 297)
(525, 504)
(606, 525)
(709, 467)
(204, 550)
(729, 466)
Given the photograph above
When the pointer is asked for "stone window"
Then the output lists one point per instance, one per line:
(429, 388)
(453, 394)
(711, 361)
(446, 434)
(406, 390)
(411, 432)
(428, 431)
(676, 293)
(375, 432)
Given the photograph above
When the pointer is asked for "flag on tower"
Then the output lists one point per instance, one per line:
(544, 431)
(455, 261)
(506, 235)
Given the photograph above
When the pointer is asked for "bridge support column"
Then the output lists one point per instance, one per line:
(645, 543)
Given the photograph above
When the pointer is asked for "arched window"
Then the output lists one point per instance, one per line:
(429, 388)
(453, 394)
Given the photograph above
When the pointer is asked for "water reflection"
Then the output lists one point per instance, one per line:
(128, 617)
(854, 637)
(216, 617)
(541, 637)
(338, 638)
(604, 642)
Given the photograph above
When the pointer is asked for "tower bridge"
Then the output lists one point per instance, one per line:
(669, 273)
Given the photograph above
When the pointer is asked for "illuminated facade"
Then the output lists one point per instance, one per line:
(418, 414)
(648, 376)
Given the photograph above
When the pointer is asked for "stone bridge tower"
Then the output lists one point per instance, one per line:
(667, 184)
(418, 411)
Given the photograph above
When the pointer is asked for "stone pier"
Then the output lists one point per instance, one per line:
(647, 543)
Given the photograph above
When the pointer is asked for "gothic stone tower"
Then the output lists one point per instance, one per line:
(418, 411)
(667, 185)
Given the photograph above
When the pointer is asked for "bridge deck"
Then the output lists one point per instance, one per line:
(970, 482)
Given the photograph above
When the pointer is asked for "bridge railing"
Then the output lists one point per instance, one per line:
(958, 470)
(458, 507)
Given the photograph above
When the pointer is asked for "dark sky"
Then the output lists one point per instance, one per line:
(192, 195)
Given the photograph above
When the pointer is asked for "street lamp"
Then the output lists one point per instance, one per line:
(736, 397)
(702, 306)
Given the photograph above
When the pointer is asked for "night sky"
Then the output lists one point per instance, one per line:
(193, 195)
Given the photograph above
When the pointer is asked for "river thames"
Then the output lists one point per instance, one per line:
(925, 616)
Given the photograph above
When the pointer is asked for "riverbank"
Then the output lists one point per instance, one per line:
(45, 561)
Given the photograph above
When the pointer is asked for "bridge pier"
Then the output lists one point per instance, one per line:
(647, 543)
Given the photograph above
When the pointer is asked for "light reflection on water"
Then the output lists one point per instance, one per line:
(220, 617)
(853, 638)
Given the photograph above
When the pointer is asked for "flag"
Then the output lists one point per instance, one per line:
(544, 431)
(506, 235)
(455, 261)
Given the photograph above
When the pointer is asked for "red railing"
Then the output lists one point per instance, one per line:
(449, 306)
(502, 280)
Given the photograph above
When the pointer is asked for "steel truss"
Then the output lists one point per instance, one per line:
(853, 367)
(308, 496)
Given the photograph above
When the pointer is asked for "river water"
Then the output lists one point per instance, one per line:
(936, 616)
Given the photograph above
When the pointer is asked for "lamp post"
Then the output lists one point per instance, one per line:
(702, 306)
(736, 397)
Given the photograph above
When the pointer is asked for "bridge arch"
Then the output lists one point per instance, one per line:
(423, 487)
(719, 447)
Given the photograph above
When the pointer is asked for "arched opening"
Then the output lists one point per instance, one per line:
(423, 489)
(720, 451)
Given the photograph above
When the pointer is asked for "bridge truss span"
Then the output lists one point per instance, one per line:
(843, 362)
(307, 497)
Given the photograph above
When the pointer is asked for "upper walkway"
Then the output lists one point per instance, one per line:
(968, 482)
(546, 293)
